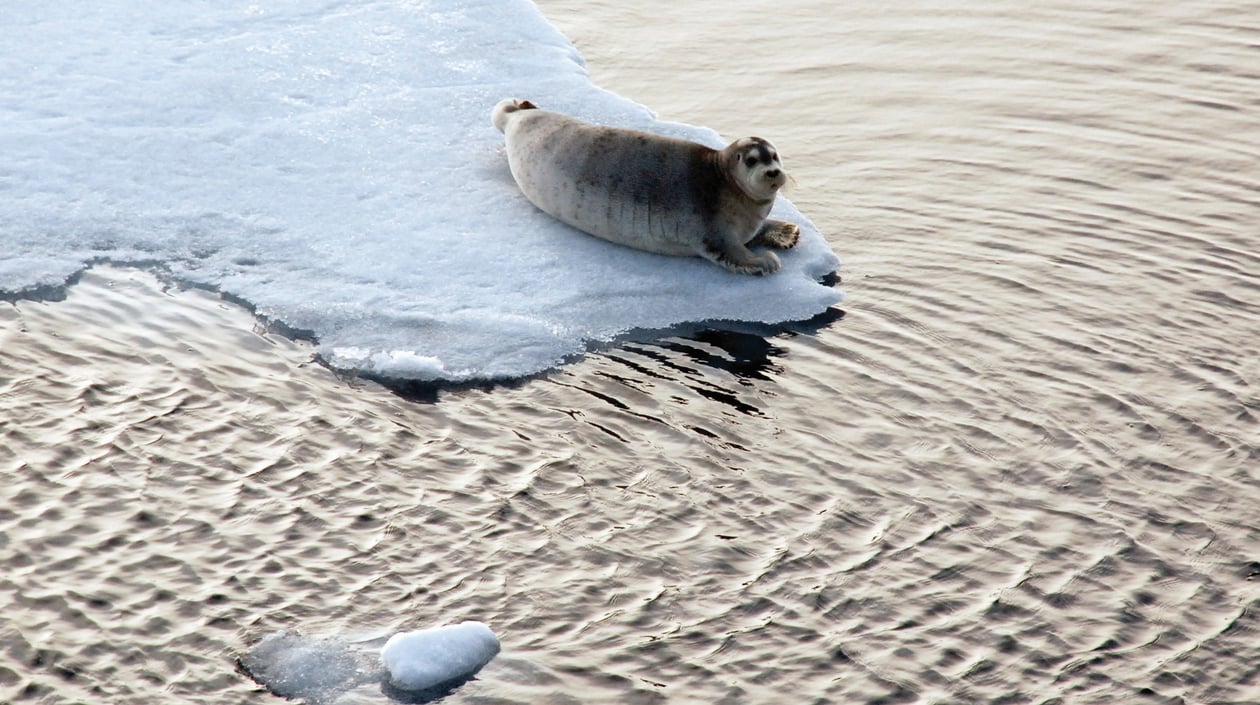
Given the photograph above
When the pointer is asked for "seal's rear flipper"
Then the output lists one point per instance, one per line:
(506, 107)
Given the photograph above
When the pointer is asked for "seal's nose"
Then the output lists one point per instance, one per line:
(773, 173)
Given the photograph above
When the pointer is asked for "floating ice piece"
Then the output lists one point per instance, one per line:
(436, 657)
(413, 667)
(331, 163)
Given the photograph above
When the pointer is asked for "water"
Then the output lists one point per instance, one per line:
(1021, 467)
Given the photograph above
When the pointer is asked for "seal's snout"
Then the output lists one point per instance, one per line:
(777, 177)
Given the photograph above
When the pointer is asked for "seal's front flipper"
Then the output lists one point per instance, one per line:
(777, 234)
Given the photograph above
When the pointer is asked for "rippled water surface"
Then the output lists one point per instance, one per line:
(1021, 465)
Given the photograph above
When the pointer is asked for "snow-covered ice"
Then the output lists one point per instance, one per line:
(333, 164)
(429, 658)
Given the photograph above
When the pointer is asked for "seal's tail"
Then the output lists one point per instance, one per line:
(507, 107)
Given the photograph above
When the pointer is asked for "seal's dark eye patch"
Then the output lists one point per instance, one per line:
(751, 160)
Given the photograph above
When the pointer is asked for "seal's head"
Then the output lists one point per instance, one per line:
(752, 163)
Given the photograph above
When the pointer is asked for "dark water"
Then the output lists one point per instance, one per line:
(1023, 465)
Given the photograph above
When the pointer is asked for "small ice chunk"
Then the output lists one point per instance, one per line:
(428, 658)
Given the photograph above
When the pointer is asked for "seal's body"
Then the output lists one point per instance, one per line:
(647, 191)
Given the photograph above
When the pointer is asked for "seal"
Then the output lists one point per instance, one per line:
(650, 192)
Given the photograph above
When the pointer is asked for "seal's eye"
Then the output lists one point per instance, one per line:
(751, 160)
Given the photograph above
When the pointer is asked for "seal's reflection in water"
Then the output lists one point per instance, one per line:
(745, 351)
(719, 364)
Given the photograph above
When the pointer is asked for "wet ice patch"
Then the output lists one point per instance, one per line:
(333, 164)
(312, 669)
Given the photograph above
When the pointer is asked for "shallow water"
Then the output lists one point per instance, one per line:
(1021, 467)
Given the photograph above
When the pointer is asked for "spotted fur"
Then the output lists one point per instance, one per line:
(651, 192)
